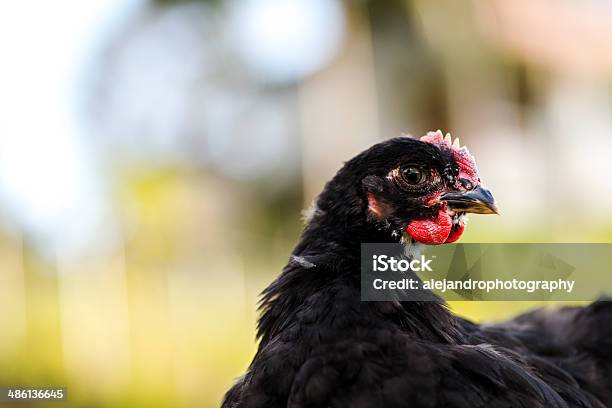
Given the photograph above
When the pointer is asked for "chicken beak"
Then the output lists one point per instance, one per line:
(478, 200)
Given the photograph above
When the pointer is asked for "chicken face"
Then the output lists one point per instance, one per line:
(428, 189)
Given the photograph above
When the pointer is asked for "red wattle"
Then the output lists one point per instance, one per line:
(432, 231)
(455, 233)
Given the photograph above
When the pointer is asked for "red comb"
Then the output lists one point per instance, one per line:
(466, 162)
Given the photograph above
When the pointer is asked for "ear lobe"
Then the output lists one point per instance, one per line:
(375, 207)
(373, 187)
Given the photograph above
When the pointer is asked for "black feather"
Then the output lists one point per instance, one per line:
(320, 346)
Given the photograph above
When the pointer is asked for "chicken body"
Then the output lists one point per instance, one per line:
(321, 346)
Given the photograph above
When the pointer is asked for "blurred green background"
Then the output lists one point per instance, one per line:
(155, 157)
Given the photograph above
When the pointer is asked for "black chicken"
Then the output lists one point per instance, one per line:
(323, 347)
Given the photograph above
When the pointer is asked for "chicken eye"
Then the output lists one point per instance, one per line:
(413, 175)
(467, 184)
